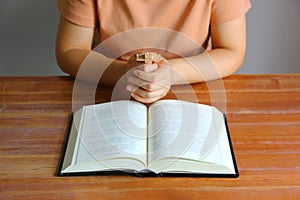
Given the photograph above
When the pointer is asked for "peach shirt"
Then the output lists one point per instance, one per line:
(190, 17)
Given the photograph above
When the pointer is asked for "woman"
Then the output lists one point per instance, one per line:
(222, 21)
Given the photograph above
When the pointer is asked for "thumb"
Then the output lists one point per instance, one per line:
(150, 67)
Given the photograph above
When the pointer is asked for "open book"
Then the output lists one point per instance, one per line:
(171, 137)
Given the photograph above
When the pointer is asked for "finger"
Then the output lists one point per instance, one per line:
(149, 67)
(156, 76)
(141, 67)
(146, 72)
(144, 100)
(150, 76)
(147, 76)
(149, 98)
(139, 98)
(131, 72)
(150, 86)
(131, 88)
(133, 80)
(163, 72)
(148, 94)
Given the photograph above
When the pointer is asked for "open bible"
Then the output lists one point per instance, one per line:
(170, 137)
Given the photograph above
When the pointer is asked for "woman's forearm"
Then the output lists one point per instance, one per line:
(91, 66)
(210, 65)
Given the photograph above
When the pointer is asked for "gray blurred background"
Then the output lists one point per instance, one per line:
(28, 30)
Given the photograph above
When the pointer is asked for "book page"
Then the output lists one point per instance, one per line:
(180, 129)
(218, 161)
(112, 130)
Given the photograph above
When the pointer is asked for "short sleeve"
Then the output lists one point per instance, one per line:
(81, 12)
(227, 10)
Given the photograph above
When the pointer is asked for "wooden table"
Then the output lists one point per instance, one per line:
(263, 114)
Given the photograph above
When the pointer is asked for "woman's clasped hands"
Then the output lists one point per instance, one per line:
(148, 83)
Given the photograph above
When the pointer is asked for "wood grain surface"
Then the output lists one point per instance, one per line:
(263, 113)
